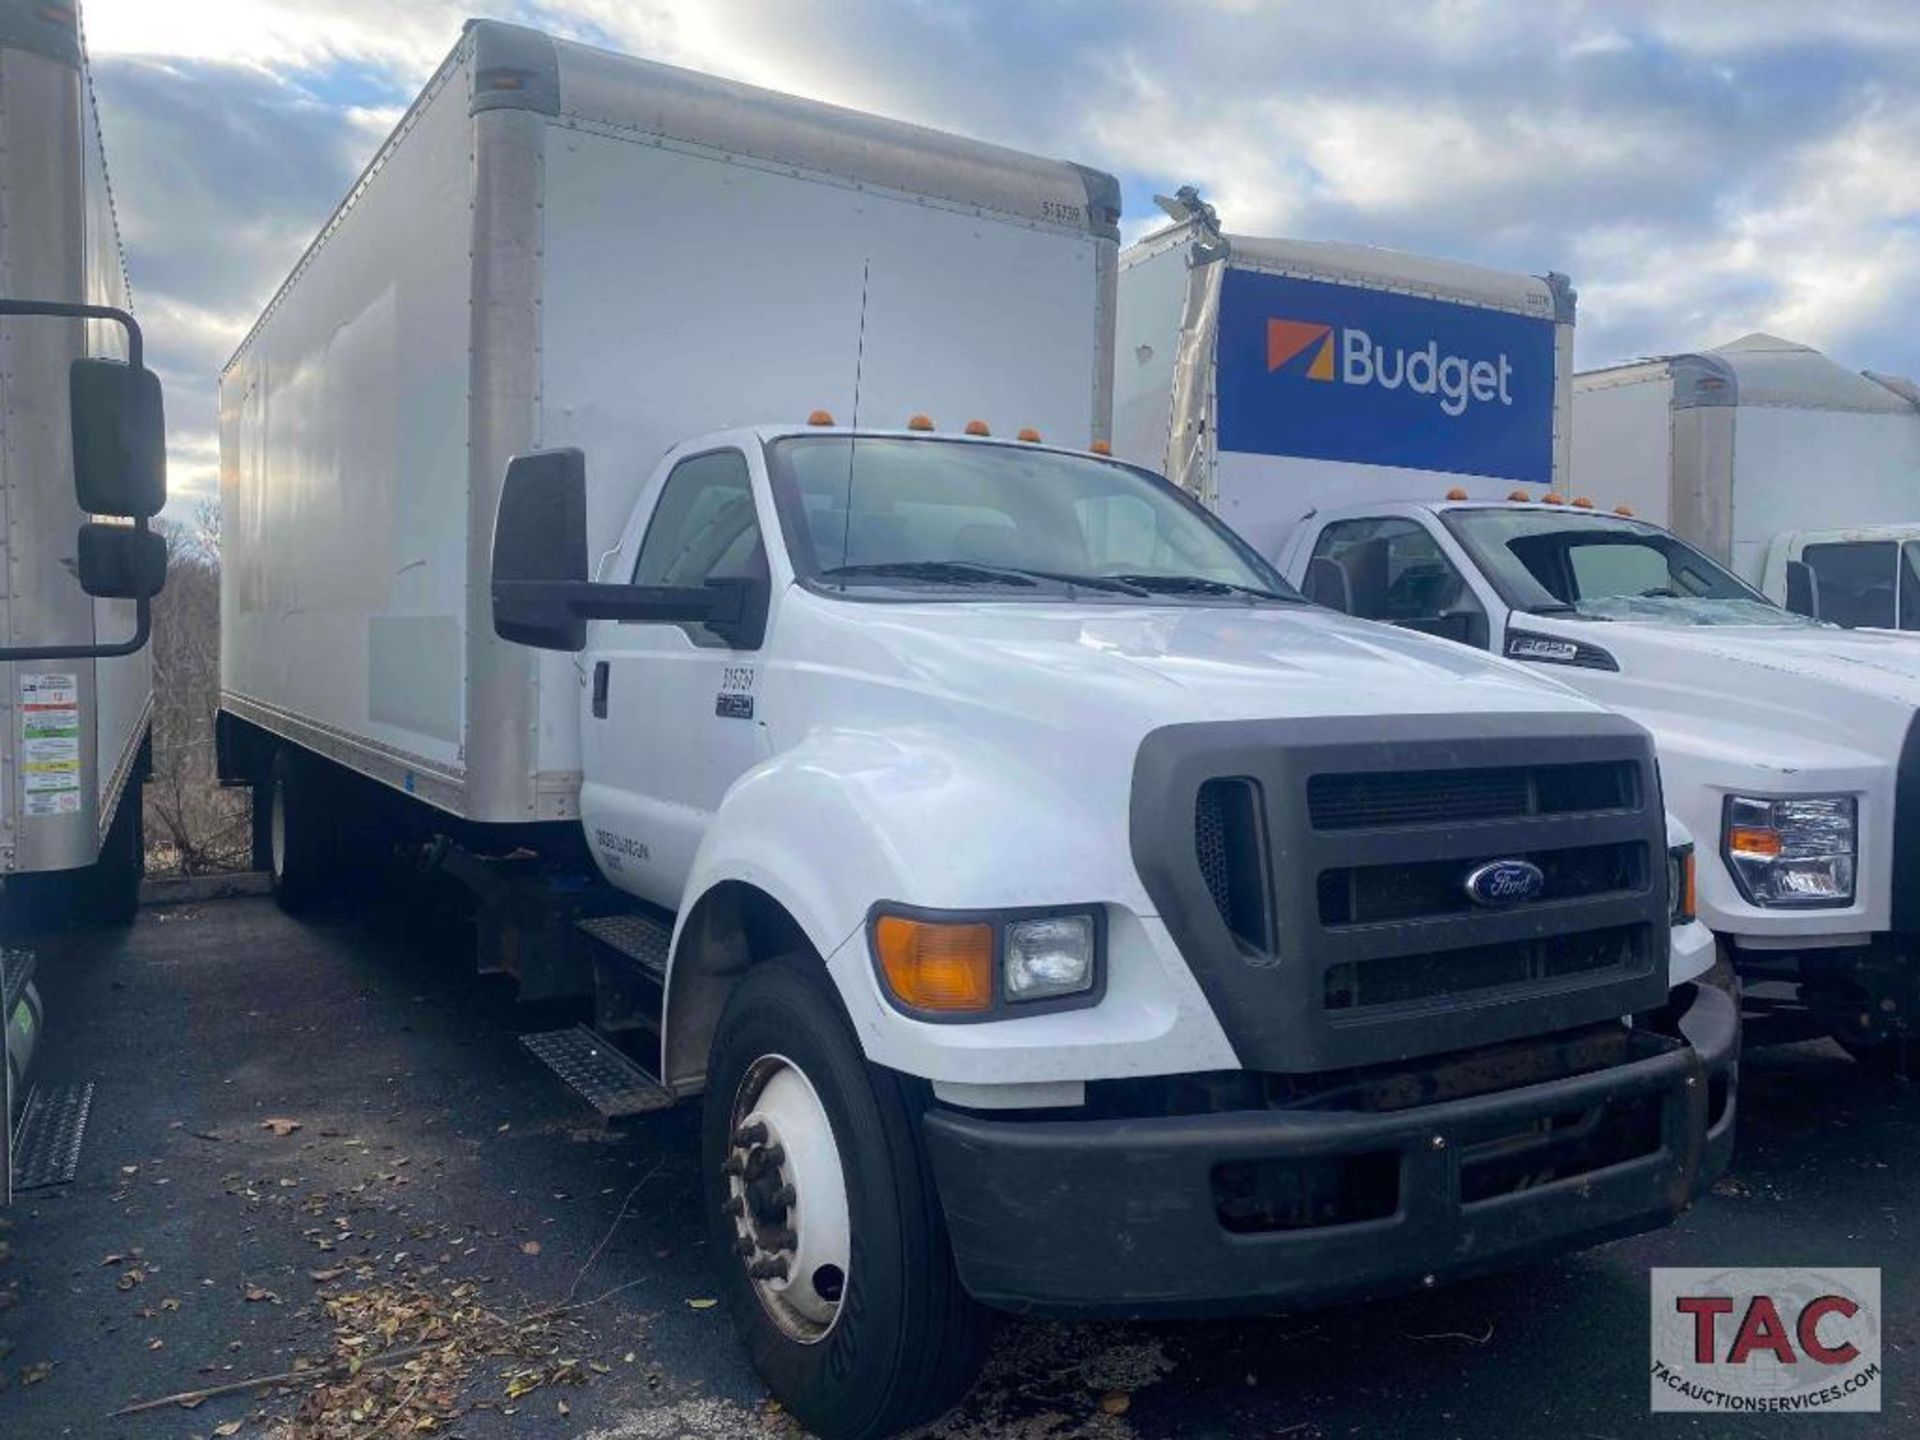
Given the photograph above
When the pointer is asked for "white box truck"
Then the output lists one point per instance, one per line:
(1384, 424)
(80, 436)
(1055, 913)
(1799, 475)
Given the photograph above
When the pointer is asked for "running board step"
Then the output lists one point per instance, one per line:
(597, 1072)
(629, 954)
(46, 1149)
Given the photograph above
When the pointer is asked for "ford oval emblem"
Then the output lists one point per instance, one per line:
(1505, 882)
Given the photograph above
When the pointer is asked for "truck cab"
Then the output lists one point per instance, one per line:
(1788, 746)
(1863, 577)
(1025, 851)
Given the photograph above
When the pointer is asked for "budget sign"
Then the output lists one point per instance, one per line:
(1336, 372)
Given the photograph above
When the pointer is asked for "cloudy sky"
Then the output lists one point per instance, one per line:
(1701, 169)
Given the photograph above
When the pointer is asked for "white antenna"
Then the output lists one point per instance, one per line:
(859, 369)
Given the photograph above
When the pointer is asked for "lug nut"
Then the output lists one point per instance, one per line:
(735, 1207)
(785, 1196)
(744, 1248)
(754, 1134)
(774, 1269)
(733, 1166)
(1439, 1142)
(783, 1240)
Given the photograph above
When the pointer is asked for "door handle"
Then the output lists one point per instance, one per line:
(600, 678)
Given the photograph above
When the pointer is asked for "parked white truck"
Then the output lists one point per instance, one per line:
(1799, 475)
(1787, 748)
(1053, 910)
(80, 436)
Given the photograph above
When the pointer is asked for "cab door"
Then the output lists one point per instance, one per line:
(669, 722)
(1392, 569)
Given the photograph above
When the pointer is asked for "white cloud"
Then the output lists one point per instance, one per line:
(1701, 170)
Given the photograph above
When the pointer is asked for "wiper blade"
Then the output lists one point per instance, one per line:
(1202, 585)
(939, 572)
(1552, 607)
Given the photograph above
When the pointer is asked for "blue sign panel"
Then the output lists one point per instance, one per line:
(1333, 372)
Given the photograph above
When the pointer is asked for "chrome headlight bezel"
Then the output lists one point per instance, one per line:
(1774, 843)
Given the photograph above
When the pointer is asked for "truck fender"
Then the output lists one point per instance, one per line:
(804, 844)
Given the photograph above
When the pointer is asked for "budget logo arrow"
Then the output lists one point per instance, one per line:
(1287, 339)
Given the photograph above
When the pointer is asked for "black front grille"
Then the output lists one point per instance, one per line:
(1375, 799)
(1375, 894)
(1413, 979)
(1313, 874)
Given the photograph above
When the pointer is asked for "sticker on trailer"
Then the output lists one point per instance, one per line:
(1335, 372)
(50, 743)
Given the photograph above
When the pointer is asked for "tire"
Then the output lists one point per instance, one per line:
(901, 1341)
(302, 842)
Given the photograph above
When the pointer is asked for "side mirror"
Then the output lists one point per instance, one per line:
(119, 439)
(1803, 589)
(119, 562)
(540, 546)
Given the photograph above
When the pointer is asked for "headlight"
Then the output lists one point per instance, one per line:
(983, 965)
(1049, 957)
(1793, 852)
(1681, 906)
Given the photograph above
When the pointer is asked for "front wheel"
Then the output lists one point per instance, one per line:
(823, 1219)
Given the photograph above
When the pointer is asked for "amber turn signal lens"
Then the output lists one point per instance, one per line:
(1690, 885)
(820, 417)
(936, 966)
(920, 422)
(978, 427)
(1101, 447)
(1745, 840)
(1456, 493)
(1030, 435)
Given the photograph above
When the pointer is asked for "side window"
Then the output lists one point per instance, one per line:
(704, 527)
(1910, 585)
(1395, 571)
(1856, 581)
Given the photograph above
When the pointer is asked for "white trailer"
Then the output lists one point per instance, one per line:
(1767, 455)
(927, 796)
(81, 435)
(1266, 377)
(73, 730)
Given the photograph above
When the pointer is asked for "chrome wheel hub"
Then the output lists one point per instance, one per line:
(787, 1198)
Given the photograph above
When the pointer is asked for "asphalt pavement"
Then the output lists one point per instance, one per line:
(314, 1142)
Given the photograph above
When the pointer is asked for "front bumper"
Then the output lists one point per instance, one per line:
(1122, 1216)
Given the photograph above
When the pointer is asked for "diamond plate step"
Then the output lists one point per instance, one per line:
(600, 1074)
(47, 1146)
(16, 970)
(640, 938)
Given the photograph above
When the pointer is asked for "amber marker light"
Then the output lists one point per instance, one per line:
(1100, 447)
(820, 417)
(938, 966)
(1456, 493)
(978, 427)
(1030, 435)
(920, 422)
(1750, 840)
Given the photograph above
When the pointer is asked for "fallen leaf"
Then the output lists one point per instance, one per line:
(280, 1127)
(35, 1373)
(564, 1409)
(169, 1304)
(701, 1304)
(255, 1295)
(154, 1342)
(323, 1276)
(530, 1247)
(1115, 1402)
(226, 1428)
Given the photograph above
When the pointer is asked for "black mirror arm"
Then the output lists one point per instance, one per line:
(590, 600)
(136, 346)
(142, 632)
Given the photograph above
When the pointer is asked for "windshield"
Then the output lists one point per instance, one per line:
(1544, 562)
(1006, 521)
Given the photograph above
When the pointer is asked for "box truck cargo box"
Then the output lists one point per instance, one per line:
(1267, 377)
(1768, 456)
(560, 246)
